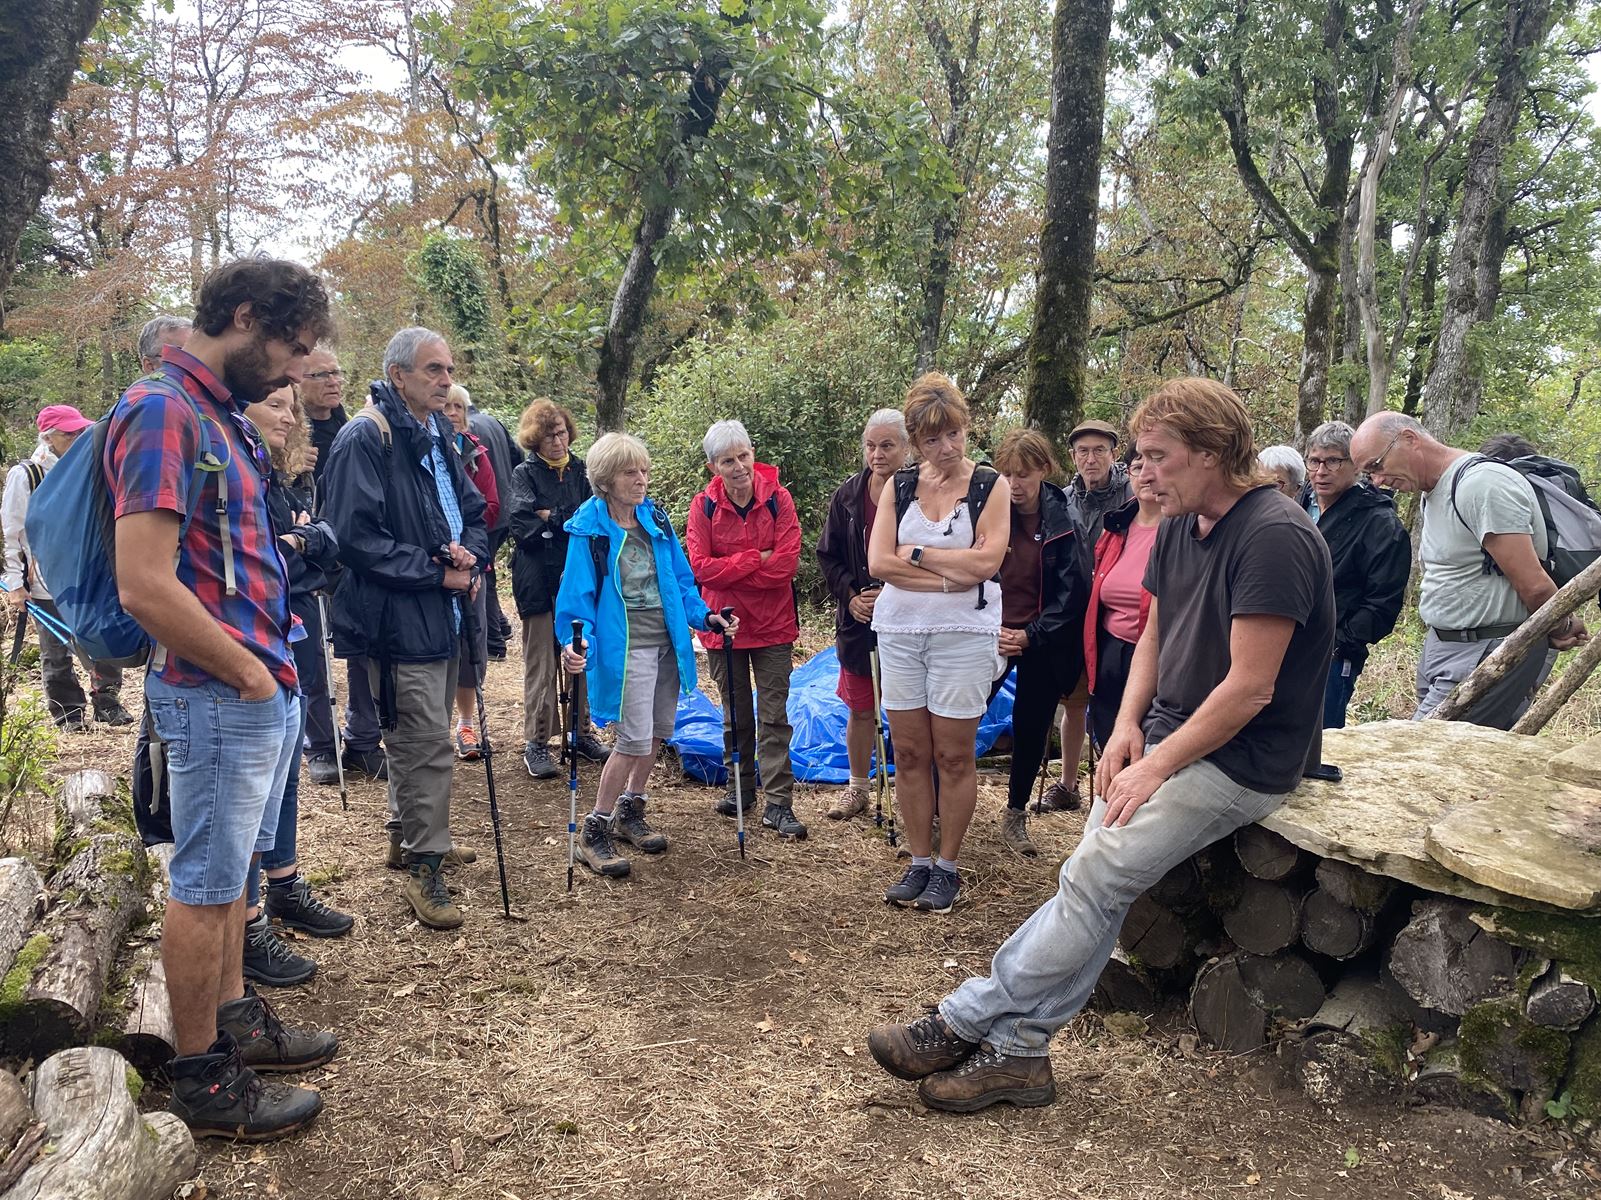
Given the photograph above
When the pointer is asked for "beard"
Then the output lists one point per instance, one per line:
(247, 372)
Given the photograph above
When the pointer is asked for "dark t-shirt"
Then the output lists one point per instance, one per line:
(1264, 557)
(1020, 571)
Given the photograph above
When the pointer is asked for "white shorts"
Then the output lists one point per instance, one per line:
(947, 673)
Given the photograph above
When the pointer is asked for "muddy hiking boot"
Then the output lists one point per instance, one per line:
(629, 825)
(425, 891)
(266, 1043)
(849, 803)
(217, 1095)
(596, 849)
(1014, 833)
(989, 1077)
(1060, 797)
(456, 856)
(781, 819)
(295, 907)
(537, 760)
(920, 1049)
(909, 887)
(269, 960)
(112, 714)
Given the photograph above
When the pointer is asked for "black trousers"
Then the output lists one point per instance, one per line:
(1044, 675)
(1113, 656)
(311, 664)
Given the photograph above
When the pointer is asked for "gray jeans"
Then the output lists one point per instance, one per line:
(61, 688)
(1044, 973)
(1443, 665)
(421, 757)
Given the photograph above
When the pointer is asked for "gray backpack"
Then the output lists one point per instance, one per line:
(1572, 527)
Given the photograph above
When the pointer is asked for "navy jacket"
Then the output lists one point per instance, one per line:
(540, 544)
(1064, 591)
(384, 508)
(308, 572)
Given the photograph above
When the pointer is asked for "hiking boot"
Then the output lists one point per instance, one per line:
(496, 651)
(990, 1077)
(781, 819)
(216, 1095)
(591, 749)
(395, 860)
(112, 714)
(596, 849)
(1014, 833)
(940, 894)
(467, 747)
(269, 960)
(266, 1043)
(628, 825)
(536, 757)
(849, 803)
(324, 770)
(725, 806)
(297, 908)
(425, 891)
(1061, 798)
(70, 721)
(910, 887)
(922, 1048)
(458, 856)
(374, 763)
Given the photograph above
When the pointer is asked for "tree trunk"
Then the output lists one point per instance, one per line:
(936, 282)
(1317, 324)
(1266, 855)
(638, 284)
(21, 893)
(104, 1149)
(21, 1136)
(1449, 389)
(1235, 996)
(1446, 962)
(38, 55)
(1124, 986)
(1335, 929)
(1354, 887)
(1549, 702)
(1059, 340)
(1267, 917)
(148, 1038)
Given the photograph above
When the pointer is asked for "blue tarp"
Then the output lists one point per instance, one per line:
(818, 716)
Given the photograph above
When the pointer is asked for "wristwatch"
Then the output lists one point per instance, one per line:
(917, 556)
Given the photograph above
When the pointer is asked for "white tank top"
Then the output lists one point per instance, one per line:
(901, 611)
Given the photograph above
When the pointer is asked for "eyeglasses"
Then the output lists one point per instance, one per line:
(1325, 464)
(1374, 466)
(336, 373)
(1092, 451)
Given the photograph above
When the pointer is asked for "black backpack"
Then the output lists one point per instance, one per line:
(598, 547)
(979, 488)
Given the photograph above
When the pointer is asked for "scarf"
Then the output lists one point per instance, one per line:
(557, 465)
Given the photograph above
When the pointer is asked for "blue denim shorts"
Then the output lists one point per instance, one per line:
(226, 757)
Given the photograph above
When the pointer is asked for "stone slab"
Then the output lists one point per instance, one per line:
(1401, 777)
(1580, 764)
(1540, 838)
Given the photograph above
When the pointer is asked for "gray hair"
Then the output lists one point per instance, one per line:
(610, 456)
(1286, 459)
(1332, 435)
(891, 417)
(154, 335)
(722, 437)
(1395, 423)
(402, 349)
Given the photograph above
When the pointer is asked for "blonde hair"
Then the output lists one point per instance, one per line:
(1205, 416)
(610, 456)
(295, 460)
(934, 404)
(541, 419)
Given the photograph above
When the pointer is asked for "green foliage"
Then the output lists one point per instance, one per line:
(27, 745)
(452, 271)
(803, 387)
(21, 973)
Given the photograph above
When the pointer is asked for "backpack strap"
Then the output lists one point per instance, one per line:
(371, 412)
(35, 473)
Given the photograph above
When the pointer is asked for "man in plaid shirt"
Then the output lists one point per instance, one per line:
(222, 691)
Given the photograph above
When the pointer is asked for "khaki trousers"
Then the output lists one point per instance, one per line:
(544, 681)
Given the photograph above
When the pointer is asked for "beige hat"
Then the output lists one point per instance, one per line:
(1087, 427)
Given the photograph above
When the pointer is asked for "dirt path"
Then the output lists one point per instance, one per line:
(699, 1031)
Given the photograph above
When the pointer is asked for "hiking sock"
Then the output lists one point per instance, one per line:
(921, 861)
(859, 781)
(431, 861)
(944, 864)
(284, 884)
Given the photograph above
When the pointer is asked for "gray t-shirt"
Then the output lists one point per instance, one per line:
(1491, 498)
(642, 597)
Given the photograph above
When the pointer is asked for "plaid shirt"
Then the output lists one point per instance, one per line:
(151, 449)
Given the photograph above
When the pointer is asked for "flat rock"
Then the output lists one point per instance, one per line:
(1538, 838)
(1580, 764)
(1401, 777)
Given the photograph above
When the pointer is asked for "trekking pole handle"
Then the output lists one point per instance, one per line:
(727, 615)
(578, 638)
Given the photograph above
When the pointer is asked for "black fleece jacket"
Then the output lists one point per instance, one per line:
(1372, 558)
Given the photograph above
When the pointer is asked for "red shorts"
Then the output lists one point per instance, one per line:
(856, 690)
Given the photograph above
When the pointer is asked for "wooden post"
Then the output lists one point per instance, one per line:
(1550, 701)
(1527, 639)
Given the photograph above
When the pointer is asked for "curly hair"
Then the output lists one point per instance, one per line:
(541, 419)
(284, 297)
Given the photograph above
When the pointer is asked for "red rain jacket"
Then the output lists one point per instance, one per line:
(725, 552)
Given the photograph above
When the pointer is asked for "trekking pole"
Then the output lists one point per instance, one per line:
(881, 784)
(474, 661)
(572, 757)
(733, 727)
(333, 692)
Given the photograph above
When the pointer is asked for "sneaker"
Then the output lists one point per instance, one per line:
(1014, 833)
(324, 770)
(596, 849)
(910, 887)
(113, 714)
(425, 891)
(591, 749)
(725, 806)
(297, 908)
(70, 721)
(920, 1049)
(216, 1095)
(536, 757)
(268, 958)
(266, 1043)
(990, 1077)
(374, 763)
(849, 803)
(781, 819)
(628, 825)
(940, 894)
(467, 748)
(1061, 798)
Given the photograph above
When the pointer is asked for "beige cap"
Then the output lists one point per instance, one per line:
(1087, 427)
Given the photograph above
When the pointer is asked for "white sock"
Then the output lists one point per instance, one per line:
(945, 864)
(859, 781)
